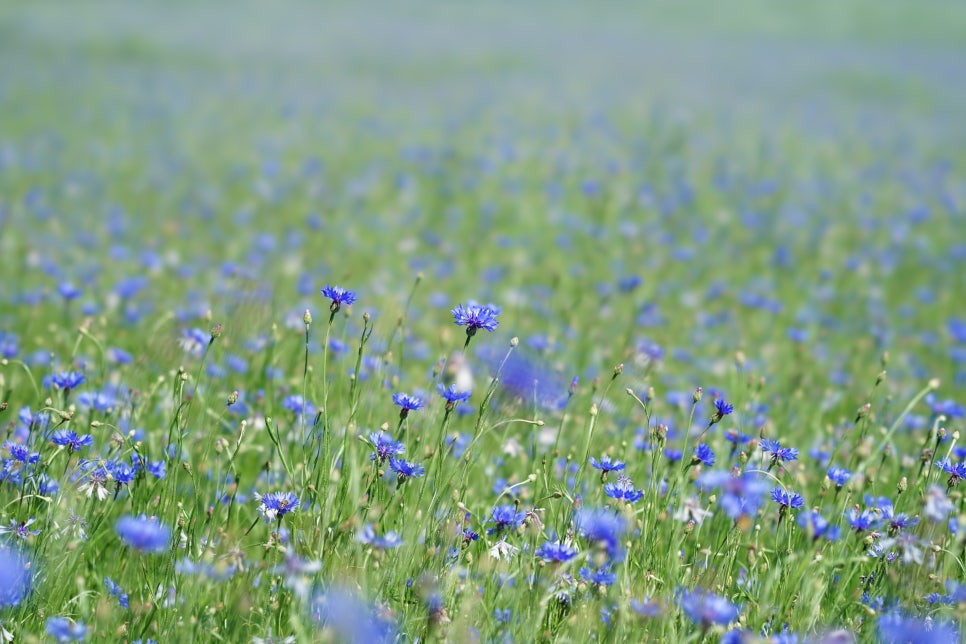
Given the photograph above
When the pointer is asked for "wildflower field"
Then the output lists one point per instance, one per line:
(482, 323)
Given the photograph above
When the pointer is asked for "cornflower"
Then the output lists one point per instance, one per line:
(339, 296)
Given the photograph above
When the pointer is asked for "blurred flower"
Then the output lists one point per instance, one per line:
(505, 517)
(385, 447)
(144, 534)
(555, 552)
(64, 630)
(706, 609)
(15, 577)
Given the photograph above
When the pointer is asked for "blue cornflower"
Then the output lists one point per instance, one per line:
(605, 464)
(68, 291)
(406, 403)
(351, 618)
(120, 472)
(452, 395)
(897, 521)
(672, 454)
(116, 591)
(721, 409)
(276, 505)
(818, 526)
(839, 475)
(703, 454)
(339, 296)
(68, 438)
(741, 496)
(602, 527)
(598, 576)
(406, 470)
(294, 404)
(505, 517)
(861, 521)
(736, 437)
(20, 529)
(63, 630)
(158, 469)
(97, 400)
(21, 453)
(706, 609)
(387, 541)
(142, 533)
(475, 317)
(66, 380)
(556, 552)
(778, 453)
(623, 490)
(194, 341)
(896, 628)
(956, 471)
(15, 577)
(937, 505)
(787, 499)
(385, 447)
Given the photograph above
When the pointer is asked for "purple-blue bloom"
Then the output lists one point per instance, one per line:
(15, 577)
(556, 552)
(451, 394)
(406, 470)
(142, 533)
(787, 499)
(896, 628)
(275, 505)
(505, 517)
(385, 447)
(387, 541)
(778, 453)
(839, 476)
(407, 403)
(64, 630)
(68, 438)
(601, 526)
(623, 490)
(703, 454)
(706, 609)
(339, 296)
(474, 316)
(605, 464)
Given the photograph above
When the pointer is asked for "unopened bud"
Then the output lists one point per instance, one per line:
(902, 485)
(514, 341)
(232, 398)
(307, 318)
(740, 359)
(696, 396)
(216, 331)
(619, 369)
(880, 379)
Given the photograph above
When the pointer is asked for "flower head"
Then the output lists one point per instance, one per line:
(385, 447)
(15, 577)
(605, 464)
(556, 552)
(703, 454)
(275, 505)
(839, 475)
(623, 490)
(474, 317)
(339, 296)
(64, 630)
(405, 469)
(787, 499)
(721, 409)
(144, 534)
(602, 527)
(452, 395)
(778, 453)
(505, 517)
(706, 609)
(407, 403)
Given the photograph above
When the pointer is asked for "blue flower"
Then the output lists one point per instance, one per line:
(15, 577)
(21, 453)
(475, 317)
(407, 403)
(599, 576)
(778, 453)
(68, 291)
(817, 525)
(68, 438)
(66, 380)
(339, 296)
(896, 628)
(721, 409)
(158, 469)
(602, 527)
(389, 540)
(505, 517)
(116, 591)
(956, 471)
(406, 470)
(741, 496)
(63, 630)
(556, 552)
(605, 464)
(142, 533)
(839, 475)
(706, 609)
(385, 447)
(786, 499)
(350, 618)
(276, 505)
(703, 454)
(452, 395)
(861, 521)
(623, 490)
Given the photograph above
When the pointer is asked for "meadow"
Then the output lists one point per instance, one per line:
(417, 322)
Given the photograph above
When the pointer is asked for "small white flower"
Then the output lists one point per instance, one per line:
(691, 510)
(503, 550)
